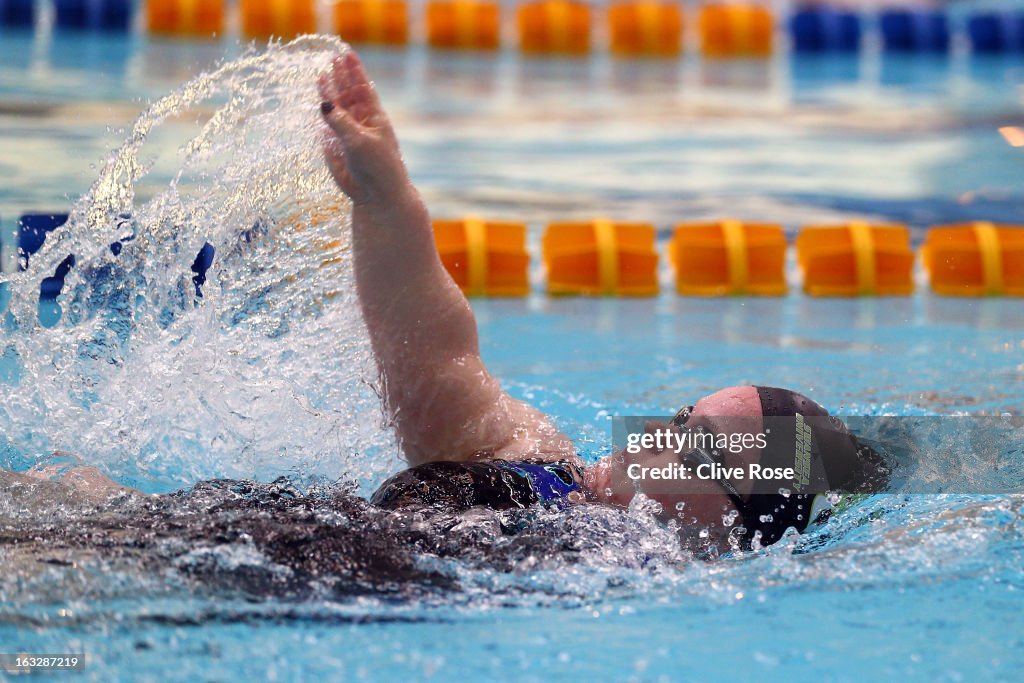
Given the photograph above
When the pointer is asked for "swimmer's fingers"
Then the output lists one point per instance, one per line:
(362, 155)
(352, 82)
(328, 93)
(355, 92)
(348, 134)
(344, 126)
(340, 121)
(362, 104)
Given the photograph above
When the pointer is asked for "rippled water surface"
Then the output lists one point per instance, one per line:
(268, 374)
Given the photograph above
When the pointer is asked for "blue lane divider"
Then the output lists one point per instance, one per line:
(824, 29)
(993, 33)
(18, 13)
(96, 15)
(918, 30)
(813, 28)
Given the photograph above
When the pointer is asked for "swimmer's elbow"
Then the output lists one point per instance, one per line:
(450, 411)
(461, 413)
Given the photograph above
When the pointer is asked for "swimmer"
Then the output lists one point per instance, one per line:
(466, 440)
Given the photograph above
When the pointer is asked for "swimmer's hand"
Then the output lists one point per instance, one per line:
(362, 151)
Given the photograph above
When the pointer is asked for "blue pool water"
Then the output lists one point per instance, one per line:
(908, 587)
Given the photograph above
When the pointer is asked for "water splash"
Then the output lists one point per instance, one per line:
(266, 373)
(266, 370)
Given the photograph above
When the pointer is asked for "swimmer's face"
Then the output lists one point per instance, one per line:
(698, 505)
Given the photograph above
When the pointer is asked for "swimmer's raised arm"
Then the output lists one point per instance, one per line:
(444, 403)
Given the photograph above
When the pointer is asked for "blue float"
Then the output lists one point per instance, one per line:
(996, 33)
(33, 229)
(823, 29)
(18, 13)
(919, 30)
(32, 232)
(51, 286)
(95, 15)
(204, 259)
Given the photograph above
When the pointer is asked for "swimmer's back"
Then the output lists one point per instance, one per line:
(497, 484)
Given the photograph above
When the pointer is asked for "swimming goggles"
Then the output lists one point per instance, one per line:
(701, 456)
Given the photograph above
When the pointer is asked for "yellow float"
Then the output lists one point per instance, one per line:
(185, 17)
(645, 28)
(463, 24)
(485, 258)
(554, 27)
(729, 257)
(736, 30)
(279, 18)
(601, 257)
(975, 259)
(856, 259)
(378, 22)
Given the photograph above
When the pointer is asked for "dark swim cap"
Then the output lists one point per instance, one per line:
(846, 464)
(800, 434)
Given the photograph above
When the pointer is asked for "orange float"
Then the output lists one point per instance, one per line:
(554, 27)
(729, 257)
(185, 17)
(736, 30)
(463, 24)
(279, 18)
(485, 258)
(380, 22)
(601, 257)
(645, 28)
(975, 259)
(856, 259)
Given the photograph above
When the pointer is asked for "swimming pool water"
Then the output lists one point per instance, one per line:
(899, 592)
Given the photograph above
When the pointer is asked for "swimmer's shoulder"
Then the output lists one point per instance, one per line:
(534, 439)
